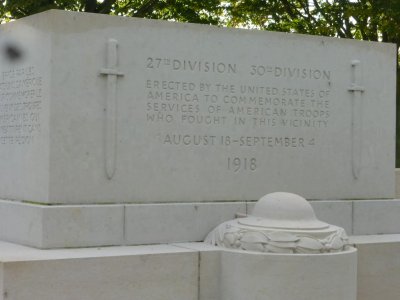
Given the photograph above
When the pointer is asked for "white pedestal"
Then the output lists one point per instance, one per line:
(256, 276)
(191, 271)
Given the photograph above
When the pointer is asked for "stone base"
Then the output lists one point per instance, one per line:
(288, 277)
(181, 271)
(160, 272)
(69, 226)
(378, 266)
(72, 226)
(177, 272)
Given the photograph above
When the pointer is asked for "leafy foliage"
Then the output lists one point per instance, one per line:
(206, 11)
(374, 20)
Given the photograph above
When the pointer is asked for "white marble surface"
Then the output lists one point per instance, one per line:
(378, 271)
(25, 112)
(166, 223)
(376, 217)
(88, 151)
(288, 277)
(61, 226)
(83, 225)
(378, 266)
(209, 268)
(374, 239)
(46, 226)
(11, 252)
(280, 223)
(21, 223)
(336, 212)
(125, 273)
(181, 271)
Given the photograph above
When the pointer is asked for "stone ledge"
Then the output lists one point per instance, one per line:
(157, 272)
(378, 266)
(189, 271)
(177, 222)
(66, 226)
(69, 226)
(376, 217)
(374, 239)
(24, 269)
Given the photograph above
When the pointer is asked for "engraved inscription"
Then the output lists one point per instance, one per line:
(219, 104)
(237, 164)
(290, 72)
(241, 141)
(257, 106)
(175, 64)
(20, 105)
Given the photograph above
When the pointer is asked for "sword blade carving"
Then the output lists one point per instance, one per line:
(110, 136)
(356, 119)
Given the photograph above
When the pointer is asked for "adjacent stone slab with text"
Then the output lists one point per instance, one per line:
(100, 109)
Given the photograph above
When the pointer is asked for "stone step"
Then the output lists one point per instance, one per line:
(178, 272)
(58, 226)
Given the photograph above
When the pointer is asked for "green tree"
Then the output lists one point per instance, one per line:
(373, 20)
(205, 11)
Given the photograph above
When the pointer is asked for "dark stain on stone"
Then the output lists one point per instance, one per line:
(12, 52)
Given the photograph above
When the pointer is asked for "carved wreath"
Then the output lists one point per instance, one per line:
(229, 236)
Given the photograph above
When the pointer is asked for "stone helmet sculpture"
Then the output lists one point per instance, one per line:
(280, 223)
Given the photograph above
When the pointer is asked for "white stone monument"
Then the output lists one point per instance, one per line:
(121, 131)
(268, 254)
(101, 109)
(128, 112)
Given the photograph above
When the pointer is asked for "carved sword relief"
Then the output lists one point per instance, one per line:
(110, 134)
(356, 118)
